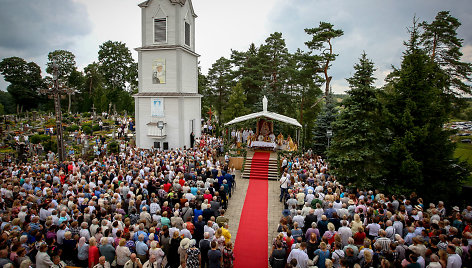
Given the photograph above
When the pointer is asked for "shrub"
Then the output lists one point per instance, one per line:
(50, 145)
(87, 129)
(35, 139)
(73, 128)
(86, 114)
(39, 138)
(95, 127)
(113, 147)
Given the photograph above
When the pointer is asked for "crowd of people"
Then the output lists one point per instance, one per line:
(136, 208)
(326, 224)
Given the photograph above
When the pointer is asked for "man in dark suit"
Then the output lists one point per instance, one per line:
(205, 246)
(208, 213)
(309, 219)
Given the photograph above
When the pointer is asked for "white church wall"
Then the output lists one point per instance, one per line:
(146, 70)
(191, 106)
(159, 9)
(181, 76)
(177, 126)
(189, 73)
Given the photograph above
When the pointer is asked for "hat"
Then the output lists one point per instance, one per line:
(185, 243)
(455, 208)
(350, 202)
(418, 207)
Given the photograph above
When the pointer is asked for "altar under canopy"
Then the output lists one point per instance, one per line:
(264, 137)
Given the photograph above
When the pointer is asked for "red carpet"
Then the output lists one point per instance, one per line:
(250, 247)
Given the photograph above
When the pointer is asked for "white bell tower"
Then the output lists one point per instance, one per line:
(167, 105)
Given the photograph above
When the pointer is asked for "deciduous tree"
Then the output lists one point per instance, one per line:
(25, 81)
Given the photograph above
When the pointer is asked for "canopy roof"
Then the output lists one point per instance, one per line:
(265, 113)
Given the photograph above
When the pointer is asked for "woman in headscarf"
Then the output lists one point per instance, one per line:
(82, 252)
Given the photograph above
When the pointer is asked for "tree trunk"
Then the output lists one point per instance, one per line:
(301, 112)
(326, 67)
(435, 44)
(68, 108)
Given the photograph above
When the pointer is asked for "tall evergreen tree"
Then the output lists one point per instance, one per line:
(358, 147)
(421, 154)
(304, 89)
(444, 47)
(249, 73)
(236, 104)
(274, 58)
(322, 40)
(220, 82)
(323, 123)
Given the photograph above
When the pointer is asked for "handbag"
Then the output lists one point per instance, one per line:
(315, 259)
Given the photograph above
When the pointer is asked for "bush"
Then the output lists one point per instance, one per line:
(87, 129)
(50, 145)
(95, 127)
(87, 124)
(35, 139)
(73, 128)
(113, 147)
(50, 123)
(86, 114)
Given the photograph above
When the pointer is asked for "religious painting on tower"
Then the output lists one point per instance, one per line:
(157, 107)
(159, 71)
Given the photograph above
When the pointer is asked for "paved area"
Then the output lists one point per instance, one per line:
(275, 211)
(235, 205)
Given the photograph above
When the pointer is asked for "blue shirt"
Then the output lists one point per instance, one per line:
(138, 233)
(141, 248)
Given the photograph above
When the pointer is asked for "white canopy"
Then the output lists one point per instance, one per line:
(265, 113)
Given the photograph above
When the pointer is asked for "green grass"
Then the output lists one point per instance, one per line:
(464, 152)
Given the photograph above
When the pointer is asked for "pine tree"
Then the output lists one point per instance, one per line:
(421, 154)
(220, 82)
(323, 124)
(249, 72)
(444, 47)
(358, 145)
(322, 40)
(274, 56)
(236, 104)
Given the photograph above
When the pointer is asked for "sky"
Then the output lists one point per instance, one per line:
(32, 28)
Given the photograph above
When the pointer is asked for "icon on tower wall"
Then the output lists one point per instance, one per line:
(159, 71)
(157, 107)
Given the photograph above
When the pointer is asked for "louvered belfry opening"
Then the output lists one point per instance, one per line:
(187, 34)
(160, 30)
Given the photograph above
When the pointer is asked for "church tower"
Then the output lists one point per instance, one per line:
(167, 105)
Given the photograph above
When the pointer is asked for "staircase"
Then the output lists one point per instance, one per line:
(257, 171)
